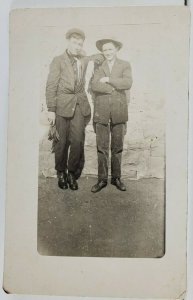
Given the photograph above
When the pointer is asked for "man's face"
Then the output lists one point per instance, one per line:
(109, 51)
(75, 45)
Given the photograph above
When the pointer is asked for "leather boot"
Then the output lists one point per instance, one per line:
(99, 186)
(62, 180)
(119, 184)
(72, 181)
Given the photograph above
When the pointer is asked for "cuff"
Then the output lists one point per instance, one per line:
(111, 87)
(112, 82)
(53, 108)
(111, 91)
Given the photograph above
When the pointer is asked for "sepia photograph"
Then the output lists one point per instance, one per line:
(102, 141)
(96, 201)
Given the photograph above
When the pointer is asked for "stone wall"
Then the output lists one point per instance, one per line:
(143, 154)
(144, 147)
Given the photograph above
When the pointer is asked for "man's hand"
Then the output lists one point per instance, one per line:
(51, 117)
(98, 59)
(104, 80)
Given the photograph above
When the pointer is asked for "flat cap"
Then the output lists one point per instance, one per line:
(100, 43)
(75, 31)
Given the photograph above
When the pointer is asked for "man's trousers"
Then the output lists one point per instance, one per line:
(69, 150)
(103, 133)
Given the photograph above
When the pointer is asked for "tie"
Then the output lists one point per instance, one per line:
(78, 63)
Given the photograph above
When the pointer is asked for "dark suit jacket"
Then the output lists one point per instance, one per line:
(61, 96)
(110, 98)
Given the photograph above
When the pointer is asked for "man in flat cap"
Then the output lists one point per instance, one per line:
(68, 108)
(110, 84)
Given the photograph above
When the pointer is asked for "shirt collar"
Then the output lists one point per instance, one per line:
(111, 62)
(71, 56)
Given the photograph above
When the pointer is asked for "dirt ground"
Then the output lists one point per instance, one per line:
(106, 224)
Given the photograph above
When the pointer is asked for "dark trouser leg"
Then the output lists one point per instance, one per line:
(102, 139)
(82, 156)
(117, 137)
(76, 138)
(80, 167)
(66, 157)
(61, 147)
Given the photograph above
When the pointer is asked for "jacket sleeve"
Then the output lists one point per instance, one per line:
(98, 59)
(99, 87)
(52, 84)
(125, 82)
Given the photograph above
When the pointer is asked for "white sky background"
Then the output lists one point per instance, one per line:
(4, 11)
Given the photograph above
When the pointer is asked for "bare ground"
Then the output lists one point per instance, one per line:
(107, 224)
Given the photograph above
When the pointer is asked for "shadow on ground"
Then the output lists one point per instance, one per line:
(107, 224)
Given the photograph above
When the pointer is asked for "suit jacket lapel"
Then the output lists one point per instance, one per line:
(115, 66)
(106, 68)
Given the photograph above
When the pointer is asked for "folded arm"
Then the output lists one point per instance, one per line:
(100, 87)
(123, 83)
(96, 58)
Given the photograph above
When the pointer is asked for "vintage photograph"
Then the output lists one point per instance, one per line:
(102, 141)
(96, 195)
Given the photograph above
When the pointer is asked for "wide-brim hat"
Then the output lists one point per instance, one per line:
(100, 43)
(72, 31)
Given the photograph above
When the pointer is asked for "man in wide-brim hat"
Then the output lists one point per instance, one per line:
(68, 108)
(110, 83)
(100, 43)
